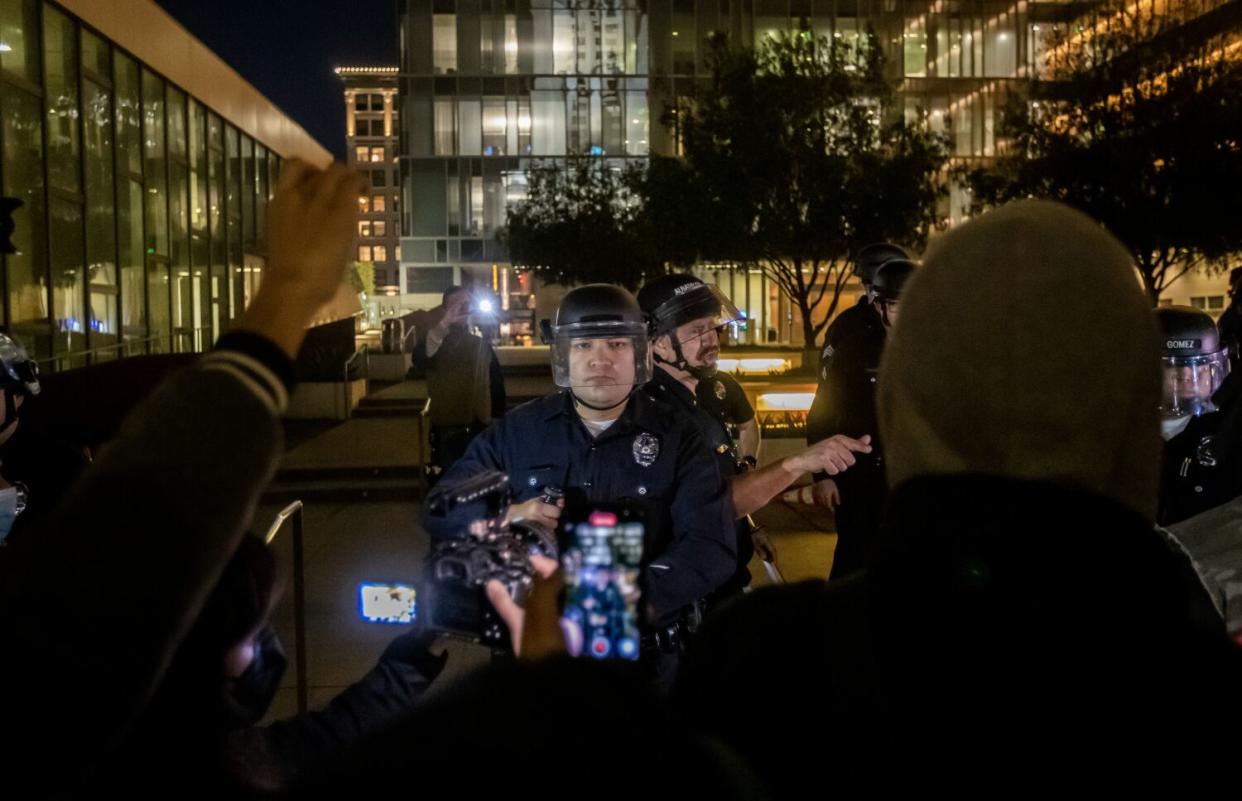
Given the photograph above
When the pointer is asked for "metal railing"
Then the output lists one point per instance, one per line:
(363, 353)
(422, 444)
(294, 511)
(126, 347)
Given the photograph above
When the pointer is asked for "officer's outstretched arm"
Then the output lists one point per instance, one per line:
(752, 491)
(703, 551)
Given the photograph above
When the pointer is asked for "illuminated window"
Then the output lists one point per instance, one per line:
(380, 228)
(360, 153)
(377, 154)
(364, 228)
(380, 252)
(444, 43)
(364, 203)
(377, 203)
(364, 253)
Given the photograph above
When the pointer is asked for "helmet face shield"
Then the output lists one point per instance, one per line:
(699, 309)
(1190, 382)
(17, 370)
(600, 354)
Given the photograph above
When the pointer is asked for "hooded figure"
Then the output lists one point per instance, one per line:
(1019, 609)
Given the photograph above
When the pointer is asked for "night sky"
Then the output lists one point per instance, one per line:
(287, 49)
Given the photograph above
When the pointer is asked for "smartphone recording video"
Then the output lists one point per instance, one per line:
(600, 556)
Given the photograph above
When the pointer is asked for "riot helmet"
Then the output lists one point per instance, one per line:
(1194, 360)
(871, 257)
(685, 309)
(594, 325)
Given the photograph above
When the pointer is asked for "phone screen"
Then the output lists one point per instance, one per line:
(600, 559)
(387, 603)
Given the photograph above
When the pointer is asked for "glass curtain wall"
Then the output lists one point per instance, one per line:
(141, 214)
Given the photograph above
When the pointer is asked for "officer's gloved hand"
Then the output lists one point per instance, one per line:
(535, 623)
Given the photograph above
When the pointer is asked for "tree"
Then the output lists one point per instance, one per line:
(1138, 125)
(582, 222)
(789, 165)
(362, 277)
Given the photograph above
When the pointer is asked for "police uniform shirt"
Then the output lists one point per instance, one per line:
(723, 398)
(715, 434)
(649, 456)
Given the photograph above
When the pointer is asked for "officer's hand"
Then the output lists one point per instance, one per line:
(764, 547)
(826, 494)
(833, 455)
(536, 511)
(535, 628)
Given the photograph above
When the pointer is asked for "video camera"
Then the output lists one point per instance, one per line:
(458, 569)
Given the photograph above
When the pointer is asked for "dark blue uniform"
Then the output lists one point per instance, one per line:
(845, 403)
(649, 456)
(714, 431)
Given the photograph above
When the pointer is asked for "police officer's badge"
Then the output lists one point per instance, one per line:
(646, 449)
(720, 391)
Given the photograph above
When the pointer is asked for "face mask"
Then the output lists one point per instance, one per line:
(247, 697)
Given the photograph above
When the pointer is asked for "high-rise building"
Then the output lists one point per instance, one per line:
(372, 130)
(489, 86)
(145, 165)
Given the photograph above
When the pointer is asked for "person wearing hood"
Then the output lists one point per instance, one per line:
(1020, 615)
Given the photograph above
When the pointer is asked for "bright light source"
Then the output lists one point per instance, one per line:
(4, 48)
(785, 401)
(485, 306)
(753, 366)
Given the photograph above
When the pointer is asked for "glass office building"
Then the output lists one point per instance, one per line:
(141, 229)
(488, 86)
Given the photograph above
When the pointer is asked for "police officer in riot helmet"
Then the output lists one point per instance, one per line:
(603, 439)
(36, 467)
(686, 316)
(886, 288)
(1200, 468)
(845, 403)
(859, 323)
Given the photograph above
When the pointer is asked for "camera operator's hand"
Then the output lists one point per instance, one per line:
(310, 229)
(536, 511)
(457, 312)
(832, 456)
(534, 625)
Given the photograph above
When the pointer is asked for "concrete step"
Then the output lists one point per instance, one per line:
(345, 491)
(295, 475)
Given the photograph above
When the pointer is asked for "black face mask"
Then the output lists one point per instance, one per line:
(247, 697)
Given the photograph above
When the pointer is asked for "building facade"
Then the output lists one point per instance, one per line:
(489, 86)
(144, 166)
(372, 131)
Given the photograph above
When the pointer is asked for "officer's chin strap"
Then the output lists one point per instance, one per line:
(593, 407)
(681, 363)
